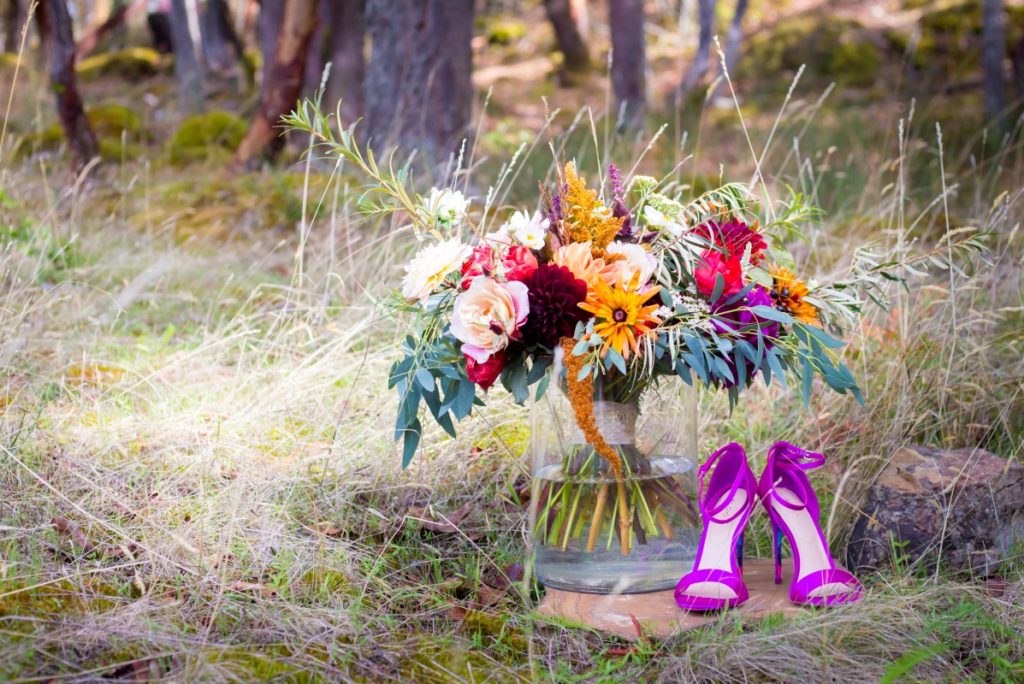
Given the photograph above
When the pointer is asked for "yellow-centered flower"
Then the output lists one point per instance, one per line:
(788, 294)
(622, 315)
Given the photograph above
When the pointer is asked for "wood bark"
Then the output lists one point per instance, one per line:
(419, 92)
(14, 20)
(187, 67)
(57, 33)
(222, 48)
(268, 26)
(702, 60)
(629, 59)
(347, 53)
(993, 49)
(282, 83)
(568, 34)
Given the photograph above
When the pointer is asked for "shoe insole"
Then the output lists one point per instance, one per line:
(813, 552)
(718, 550)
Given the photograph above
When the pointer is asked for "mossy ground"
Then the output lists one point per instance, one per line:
(201, 396)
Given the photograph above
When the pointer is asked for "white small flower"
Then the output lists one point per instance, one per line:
(526, 230)
(659, 220)
(428, 268)
(664, 313)
(636, 262)
(446, 207)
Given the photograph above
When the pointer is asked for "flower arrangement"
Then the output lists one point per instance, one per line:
(635, 288)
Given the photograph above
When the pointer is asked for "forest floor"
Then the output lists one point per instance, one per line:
(197, 479)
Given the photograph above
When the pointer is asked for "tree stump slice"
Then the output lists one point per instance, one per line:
(963, 508)
(657, 612)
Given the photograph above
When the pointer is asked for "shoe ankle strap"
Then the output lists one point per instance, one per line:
(713, 509)
(786, 454)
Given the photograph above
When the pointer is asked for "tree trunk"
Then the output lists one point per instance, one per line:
(733, 42)
(629, 61)
(568, 35)
(222, 48)
(993, 49)
(419, 93)
(702, 60)
(348, 70)
(57, 34)
(268, 25)
(14, 20)
(316, 57)
(282, 83)
(91, 40)
(186, 62)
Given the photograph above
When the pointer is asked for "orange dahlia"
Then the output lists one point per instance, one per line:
(622, 315)
(788, 294)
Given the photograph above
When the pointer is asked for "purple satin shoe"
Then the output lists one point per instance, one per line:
(716, 581)
(792, 506)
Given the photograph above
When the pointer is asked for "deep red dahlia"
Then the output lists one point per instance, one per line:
(555, 296)
(734, 237)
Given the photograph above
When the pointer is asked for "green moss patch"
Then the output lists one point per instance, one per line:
(205, 135)
(130, 63)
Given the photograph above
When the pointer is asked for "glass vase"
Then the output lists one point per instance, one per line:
(601, 529)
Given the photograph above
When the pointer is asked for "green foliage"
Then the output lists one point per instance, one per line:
(201, 136)
(130, 64)
(111, 119)
(505, 31)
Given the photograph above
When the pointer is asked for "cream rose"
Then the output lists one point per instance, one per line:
(488, 315)
(636, 262)
(581, 263)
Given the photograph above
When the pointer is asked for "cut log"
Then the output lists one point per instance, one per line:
(962, 508)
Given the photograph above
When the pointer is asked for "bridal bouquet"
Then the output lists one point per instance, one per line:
(628, 288)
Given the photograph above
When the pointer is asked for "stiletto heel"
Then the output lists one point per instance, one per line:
(777, 547)
(716, 581)
(739, 551)
(793, 509)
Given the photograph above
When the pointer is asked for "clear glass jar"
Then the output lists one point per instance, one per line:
(595, 531)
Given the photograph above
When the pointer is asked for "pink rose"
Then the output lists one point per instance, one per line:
(519, 263)
(488, 315)
(480, 262)
(715, 264)
(484, 374)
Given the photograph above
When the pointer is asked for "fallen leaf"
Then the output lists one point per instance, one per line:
(621, 651)
(66, 527)
(243, 587)
(327, 528)
(515, 572)
(457, 613)
(487, 595)
(448, 523)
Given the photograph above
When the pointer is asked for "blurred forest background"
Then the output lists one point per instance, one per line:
(197, 479)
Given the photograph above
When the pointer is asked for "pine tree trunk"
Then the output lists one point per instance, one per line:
(348, 40)
(568, 35)
(187, 68)
(419, 92)
(733, 42)
(14, 20)
(57, 33)
(993, 49)
(222, 48)
(629, 60)
(282, 83)
(702, 60)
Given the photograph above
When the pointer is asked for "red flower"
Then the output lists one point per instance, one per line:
(484, 374)
(480, 262)
(519, 263)
(733, 237)
(716, 264)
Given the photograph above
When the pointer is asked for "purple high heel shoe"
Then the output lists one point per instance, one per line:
(793, 509)
(716, 581)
